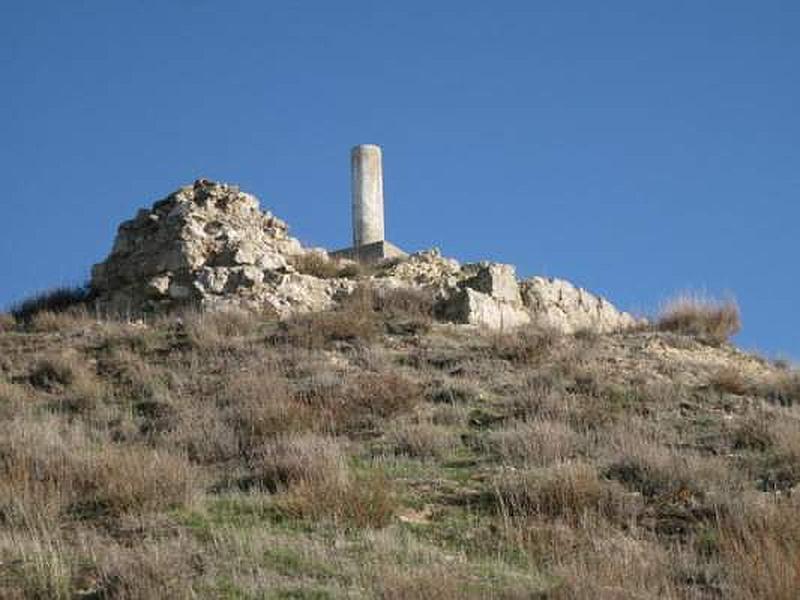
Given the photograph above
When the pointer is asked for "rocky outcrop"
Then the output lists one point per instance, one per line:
(559, 304)
(209, 245)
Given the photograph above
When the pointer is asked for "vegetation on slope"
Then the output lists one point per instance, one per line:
(369, 452)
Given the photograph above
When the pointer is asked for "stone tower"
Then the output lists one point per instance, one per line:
(369, 243)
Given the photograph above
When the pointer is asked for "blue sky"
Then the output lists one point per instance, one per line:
(636, 148)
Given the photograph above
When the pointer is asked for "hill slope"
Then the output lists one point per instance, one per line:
(370, 452)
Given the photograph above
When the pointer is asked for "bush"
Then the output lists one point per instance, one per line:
(538, 442)
(210, 331)
(363, 501)
(422, 440)
(288, 461)
(711, 321)
(524, 345)
(57, 300)
(353, 321)
(369, 398)
(567, 490)
(782, 388)
(730, 381)
(7, 322)
(319, 265)
(761, 549)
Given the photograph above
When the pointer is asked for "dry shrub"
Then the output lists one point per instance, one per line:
(364, 501)
(36, 563)
(368, 398)
(525, 345)
(47, 470)
(259, 404)
(58, 370)
(300, 459)
(405, 310)
(132, 479)
(7, 322)
(537, 442)
(730, 380)
(57, 300)
(348, 323)
(318, 265)
(683, 487)
(616, 566)
(69, 374)
(709, 320)
(154, 569)
(210, 331)
(421, 584)
(761, 549)
(782, 388)
(568, 490)
(422, 440)
(48, 321)
(753, 433)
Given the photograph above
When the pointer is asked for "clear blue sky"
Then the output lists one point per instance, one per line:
(635, 148)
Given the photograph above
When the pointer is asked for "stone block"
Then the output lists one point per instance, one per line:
(495, 279)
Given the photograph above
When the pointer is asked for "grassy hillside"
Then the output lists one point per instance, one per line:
(371, 453)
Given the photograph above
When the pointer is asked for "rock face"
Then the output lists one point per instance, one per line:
(209, 245)
(559, 304)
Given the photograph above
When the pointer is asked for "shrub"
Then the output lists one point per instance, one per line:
(258, 404)
(119, 480)
(422, 440)
(348, 323)
(761, 549)
(537, 442)
(524, 345)
(405, 310)
(211, 331)
(782, 388)
(48, 469)
(319, 265)
(568, 490)
(368, 398)
(709, 320)
(300, 459)
(7, 322)
(57, 300)
(364, 500)
(731, 381)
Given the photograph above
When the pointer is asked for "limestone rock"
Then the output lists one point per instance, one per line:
(495, 279)
(476, 308)
(208, 245)
(559, 304)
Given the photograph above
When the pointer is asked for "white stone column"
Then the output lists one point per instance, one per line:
(367, 181)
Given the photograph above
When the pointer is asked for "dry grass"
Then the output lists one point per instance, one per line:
(423, 440)
(212, 331)
(213, 457)
(730, 380)
(55, 301)
(318, 265)
(7, 322)
(568, 490)
(300, 459)
(709, 320)
(536, 443)
(762, 547)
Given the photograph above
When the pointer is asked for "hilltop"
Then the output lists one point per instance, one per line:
(226, 414)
